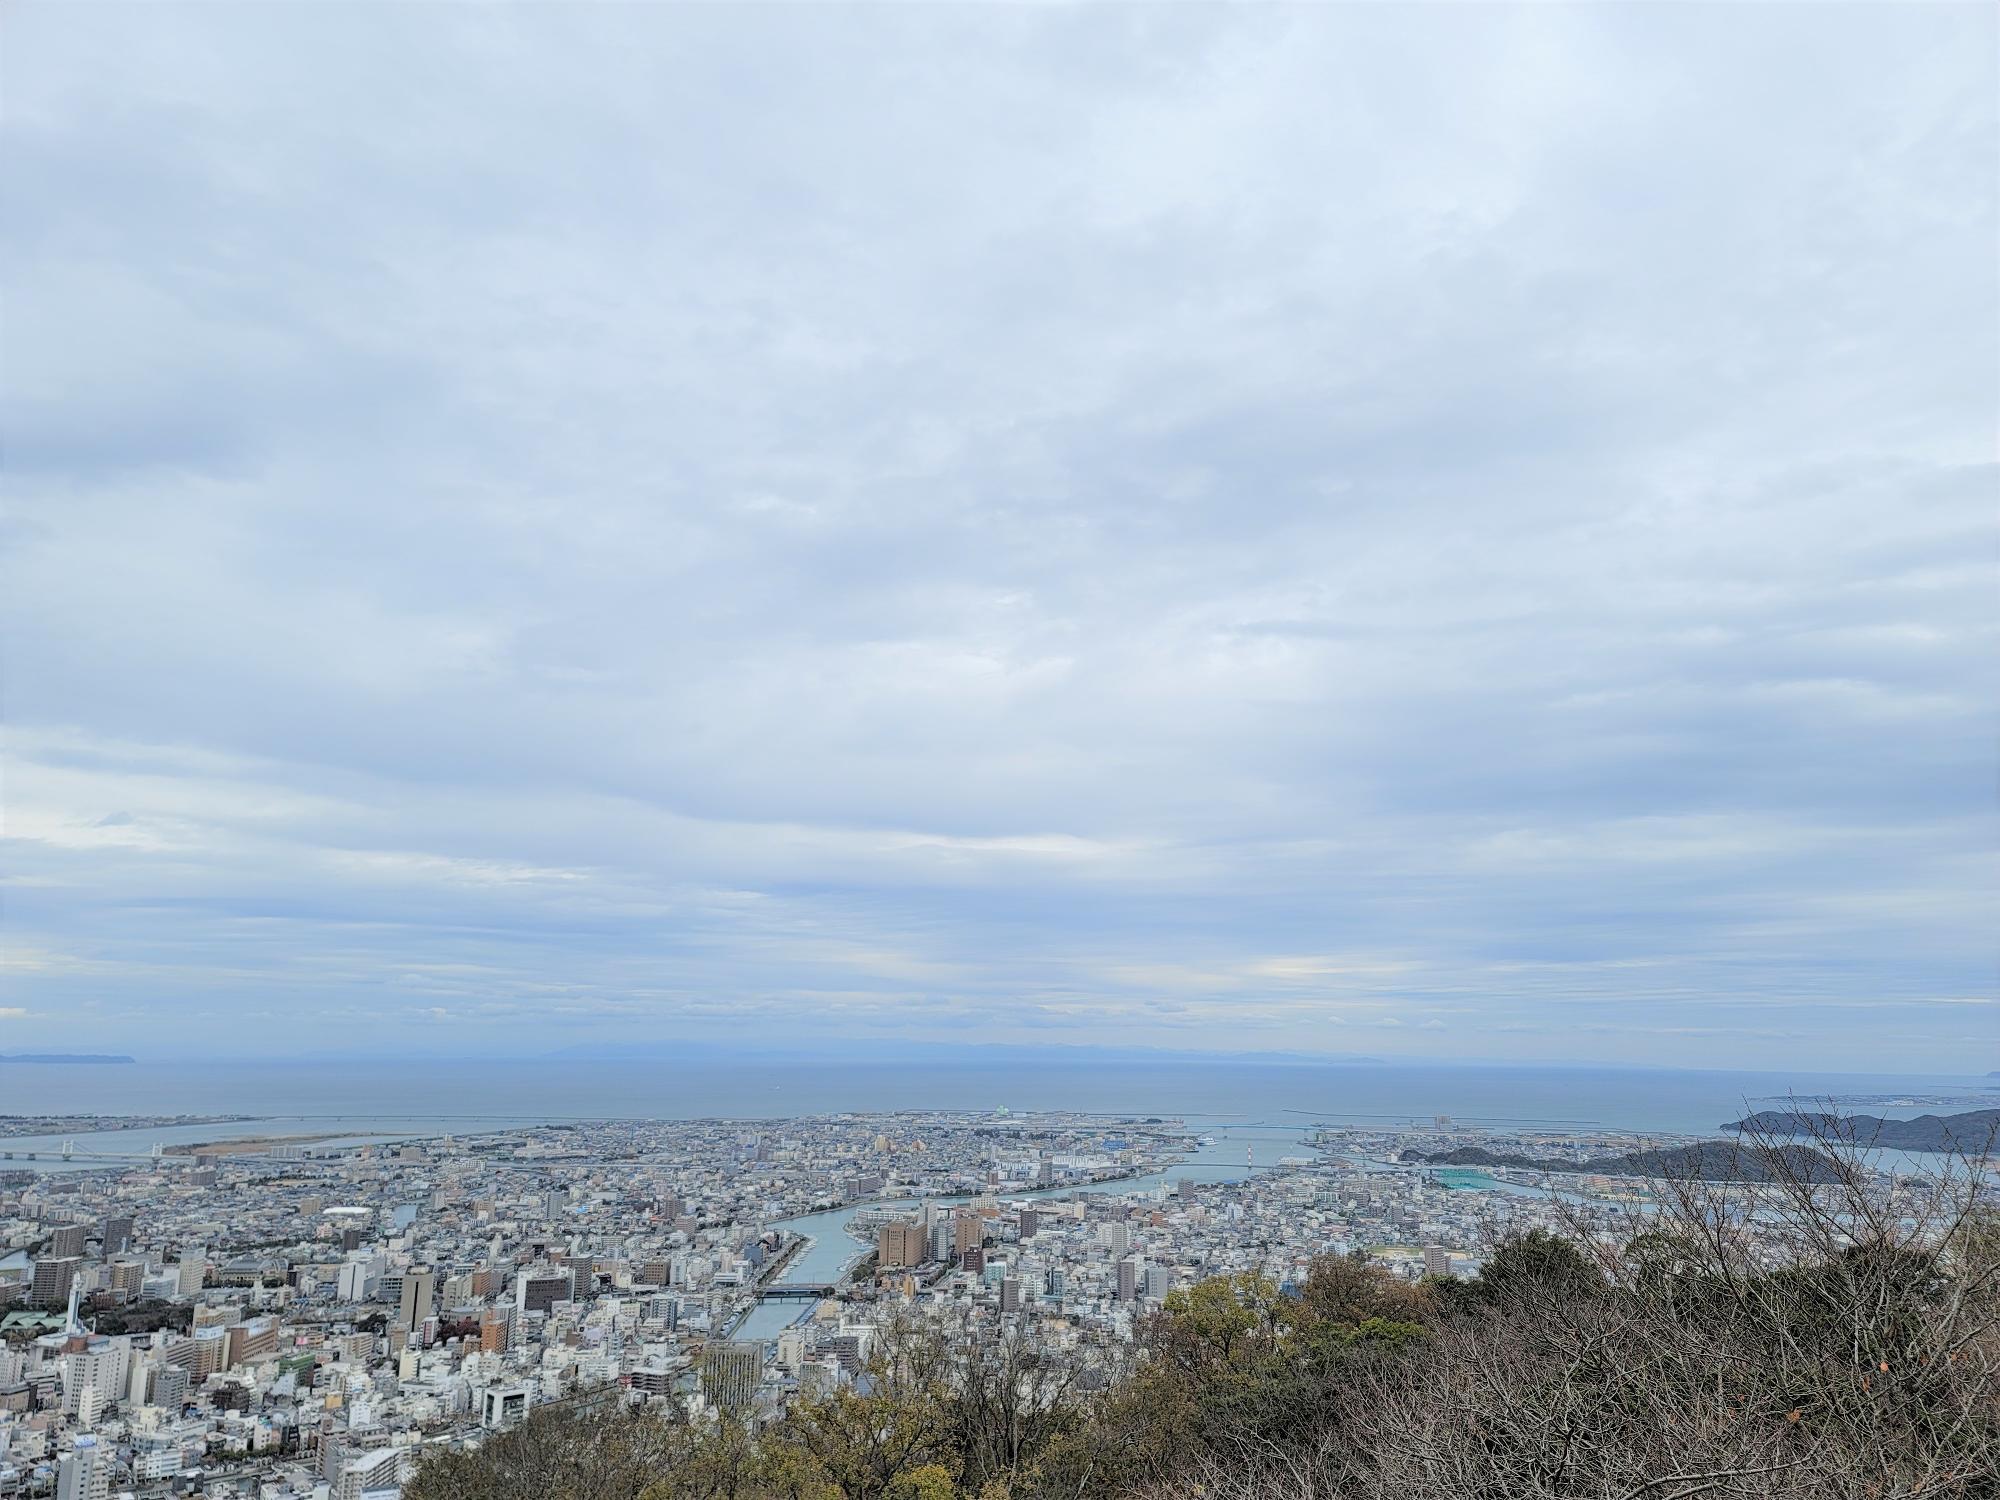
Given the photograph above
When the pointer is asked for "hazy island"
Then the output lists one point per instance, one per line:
(1975, 1131)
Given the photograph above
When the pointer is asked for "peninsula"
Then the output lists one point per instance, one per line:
(1976, 1131)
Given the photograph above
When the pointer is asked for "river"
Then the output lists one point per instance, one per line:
(1236, 1151)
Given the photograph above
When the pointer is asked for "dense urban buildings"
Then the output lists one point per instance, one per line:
(294, 1321)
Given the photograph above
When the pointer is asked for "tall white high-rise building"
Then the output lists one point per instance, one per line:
(136, 1377)
(192, 1272)
(97, 1368)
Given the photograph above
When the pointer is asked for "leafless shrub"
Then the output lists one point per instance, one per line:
(1807, 1333)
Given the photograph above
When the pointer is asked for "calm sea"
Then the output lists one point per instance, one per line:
(430, 1097)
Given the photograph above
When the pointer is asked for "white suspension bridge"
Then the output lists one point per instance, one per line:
(71, 1151)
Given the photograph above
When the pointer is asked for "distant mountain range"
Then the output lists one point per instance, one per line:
(1976, 1130)
(61, 1057)
(1709, 1161)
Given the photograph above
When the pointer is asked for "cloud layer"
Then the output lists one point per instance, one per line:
(1442, 531)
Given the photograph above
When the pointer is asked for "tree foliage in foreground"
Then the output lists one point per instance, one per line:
(1846, 1350)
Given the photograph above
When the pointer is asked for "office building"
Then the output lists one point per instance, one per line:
(501, 1407)
(203, 1353)
(192, 1272)
(414, 1303)
(53, 1278)
(539, 1290)
(96, 1371)
(730, 1373)
(116, 1234)
(496, 1328)
(792, 1349)
(1128, 1279)
(66, 1241)
(85, 1474)
(246, 1343)
(126, 1277)
(968, 1233)
(899, 1245)
(168, 1385)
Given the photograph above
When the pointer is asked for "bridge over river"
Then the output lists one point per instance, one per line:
(70, 1151)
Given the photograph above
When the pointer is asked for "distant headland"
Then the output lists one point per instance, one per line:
(1976, 1130)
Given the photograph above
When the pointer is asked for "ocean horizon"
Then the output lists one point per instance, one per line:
(446, 1094)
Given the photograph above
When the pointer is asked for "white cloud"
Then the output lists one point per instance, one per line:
(1327, 515)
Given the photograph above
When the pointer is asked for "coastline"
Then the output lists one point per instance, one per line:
(259, 1145)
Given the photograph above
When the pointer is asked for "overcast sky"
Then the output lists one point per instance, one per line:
(1434, 531)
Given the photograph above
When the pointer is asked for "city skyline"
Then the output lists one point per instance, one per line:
(1415, 533)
